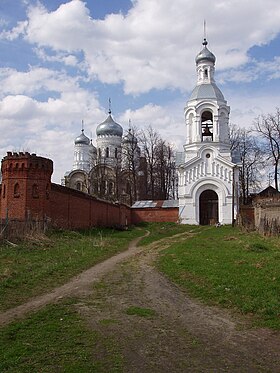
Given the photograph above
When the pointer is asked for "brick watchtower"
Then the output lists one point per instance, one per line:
(26, 185)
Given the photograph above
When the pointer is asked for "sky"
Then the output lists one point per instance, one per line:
(61, 61)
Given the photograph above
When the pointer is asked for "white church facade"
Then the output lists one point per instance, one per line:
(208, 175)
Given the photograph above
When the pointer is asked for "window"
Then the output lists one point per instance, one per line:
(206, 73)
(128, 188)
(107, 152)
(4, 191)
(78, 186)
(111, 188)
(116, 152)
(35, 191)
(16, 190)
(207, 126)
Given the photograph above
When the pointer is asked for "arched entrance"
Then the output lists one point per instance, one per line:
(208, 208)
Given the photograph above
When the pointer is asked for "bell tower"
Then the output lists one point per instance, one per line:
(207, 178)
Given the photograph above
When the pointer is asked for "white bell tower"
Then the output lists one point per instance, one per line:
(208, 178)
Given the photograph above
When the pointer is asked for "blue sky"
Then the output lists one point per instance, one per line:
(62, 60)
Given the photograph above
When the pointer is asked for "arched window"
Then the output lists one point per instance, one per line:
(103, 187)
(107, 152)
(99, 152)
(128, 189)
(207, 126)
(35, 191)
(4, 191)
(111, 188)
(206, 73)
(16, 190)
(79, 185)
(116, 152)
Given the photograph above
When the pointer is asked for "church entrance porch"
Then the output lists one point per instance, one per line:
(208, 208)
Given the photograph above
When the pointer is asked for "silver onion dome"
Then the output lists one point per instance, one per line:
(82, 139)
(129, 138)
(109, 127)
(205, 54)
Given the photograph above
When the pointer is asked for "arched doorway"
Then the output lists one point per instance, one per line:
(208, 208)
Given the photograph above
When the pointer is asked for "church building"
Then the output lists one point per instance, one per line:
(207, 175)
(113, 170)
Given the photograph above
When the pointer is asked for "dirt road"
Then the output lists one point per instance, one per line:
(180, 335)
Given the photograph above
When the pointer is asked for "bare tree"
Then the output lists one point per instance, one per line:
(165, 167)
(149, 140)
(131, 163)
(160, 159)
(268, 127)
(251, 160)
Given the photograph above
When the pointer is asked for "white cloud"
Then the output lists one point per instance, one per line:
(151, 47)
(168, 121)
(65, 58)
(258, 70)
(16, 31)
(36, 79)
(154, 45)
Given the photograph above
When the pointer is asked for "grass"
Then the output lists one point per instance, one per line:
(56, 339)
(222, 266)
(162, 230)
(42, 263)
(230, 268)
(140, 311)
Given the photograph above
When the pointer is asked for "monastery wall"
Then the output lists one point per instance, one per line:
(156, 215)
(71, 209)
(29, 199)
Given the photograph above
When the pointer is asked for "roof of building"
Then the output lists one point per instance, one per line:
(170, 203)
(82, 139)
(269, 191)
(109, 127)
(207, 91)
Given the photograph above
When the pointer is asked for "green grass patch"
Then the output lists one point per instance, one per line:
(162, 230)
(42, 263)
(108, 322)
(230, 268)
(55, 340)
(140, 311)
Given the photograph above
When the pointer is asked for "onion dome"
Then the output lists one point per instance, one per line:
(109, 127)
(82, 139)
(205, 54)
(129, 138)
(92, 148)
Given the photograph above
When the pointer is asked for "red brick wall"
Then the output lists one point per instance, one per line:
(65, 207)
(158, 215)
(247, 215)
(72, 209)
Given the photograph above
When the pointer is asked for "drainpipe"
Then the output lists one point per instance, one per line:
(233, 195)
